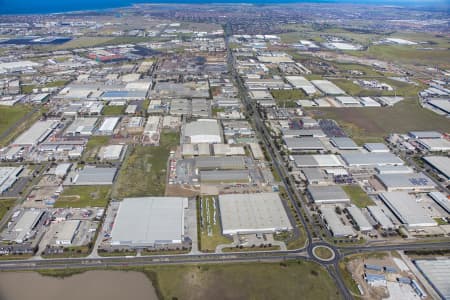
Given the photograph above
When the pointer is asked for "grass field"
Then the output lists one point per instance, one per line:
(287, 98)
(5, 206)
(407, 54)
(10, 115)
(83, 196)
(358, 196)
(211, 233)
(144, 171)
(323, 252)
(244, 281)
(372, 124)
(113, 110)
(400, 88)
(93, 146)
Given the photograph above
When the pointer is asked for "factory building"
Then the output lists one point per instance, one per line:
(111, 152)
(219, 163)
(435, 145)
(437, 272)
(252, 213)
(376, 147)
(334, 223)
(8, 176)
(36, 134)
(441, 200)
(394, 170)
(81, 127)
(225, 176)
(94, 176)
(66, 232)
(371, 159)
(407, 210)
(27, 222)
(327, 194)
(440, 163)
(344, 143)
(149, 222)
(380, 217)
(406, 182)
(203, 131)
(316, 161)
(295, 144)
(359, 218)
(108, 125)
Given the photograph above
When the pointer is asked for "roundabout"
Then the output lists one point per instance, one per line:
(323, 253)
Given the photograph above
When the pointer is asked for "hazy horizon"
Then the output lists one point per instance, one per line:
(50, 6)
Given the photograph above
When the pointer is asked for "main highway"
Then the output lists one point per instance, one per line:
(303, 253)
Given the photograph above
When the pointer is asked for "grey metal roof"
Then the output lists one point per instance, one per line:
(304, 143)
(328, 194)
(371, 159)
(344, 143)
(224, 163)
(406, 209)
(95, 176)
(225, 176)
(252, 213)
(437, 272)
(406, 181)
(144, 221)
(334, 222)
(441, 163)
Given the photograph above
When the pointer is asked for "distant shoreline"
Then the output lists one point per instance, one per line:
(17, 7)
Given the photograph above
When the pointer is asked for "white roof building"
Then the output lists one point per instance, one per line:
(203, 131)
(407, 210)
(252, 213)
(149, 222)
(37, 133)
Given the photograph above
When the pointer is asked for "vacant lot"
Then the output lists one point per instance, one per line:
(245, 281)
(10, 115)
(372, 124)
(5, 206)
(210, 229)
(144, 171)
(83, 196)
(358, 196)
(113, 110)
(93, 146)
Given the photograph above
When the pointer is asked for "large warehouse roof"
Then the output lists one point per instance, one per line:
(440, 163)
(320, 160)
(81, 126)
(304, 143)
(400, 181)
(328, 194)
(406, 209)
(328, 87)
(95, 176)
(203, 131)
(335, 224)
(437, 272)
(36, 133)
(146, 221)
(222, 163)
(252, 213)
(371, 159)
(225, 176)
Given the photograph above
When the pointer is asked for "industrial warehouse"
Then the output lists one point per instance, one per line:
(252, 213)
(149, 222)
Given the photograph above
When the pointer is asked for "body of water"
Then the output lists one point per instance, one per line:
(91, 285)
(55, 6)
